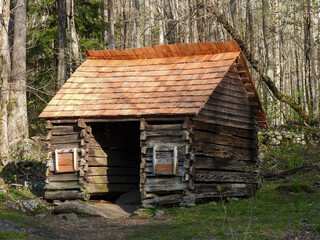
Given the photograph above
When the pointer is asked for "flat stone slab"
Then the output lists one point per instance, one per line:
(105, 210)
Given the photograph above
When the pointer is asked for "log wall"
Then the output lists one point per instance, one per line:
(168, 185)
(225, 142)
(72, 184)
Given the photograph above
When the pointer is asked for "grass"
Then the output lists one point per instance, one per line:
(282, 209)
(274, 214)
(15, 235)
(290, 155)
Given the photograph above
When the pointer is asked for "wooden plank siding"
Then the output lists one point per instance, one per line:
(225, 142)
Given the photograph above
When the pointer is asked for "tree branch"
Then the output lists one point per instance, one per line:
(282, 97)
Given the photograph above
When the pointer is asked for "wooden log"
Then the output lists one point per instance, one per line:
(66, 195)
(223, 89)
(96, 152)
(81, 123)
(229, 110)
(223, 121)
(65, 130)
(224, 176)
(224, 152)
(210, 113)
(110, 187)
(236, 82)
(215, 128)
(160, 133)
(49, 124)
(63, 177)
(209, 137)
(170, 199)
(228, 190)
(62, 185)
(165, 184)
(113, 162)
(215, 99)
(286, 172)
(55, 146)
(109, 171)
(233, 85)
(224, 164)
(163, 127)
(113, 179)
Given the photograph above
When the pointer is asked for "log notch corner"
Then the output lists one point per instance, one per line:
(64, 182)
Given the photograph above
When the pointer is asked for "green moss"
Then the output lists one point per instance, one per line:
(15, 235)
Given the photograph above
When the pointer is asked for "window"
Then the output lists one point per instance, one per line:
(66, 160)
(165, 160)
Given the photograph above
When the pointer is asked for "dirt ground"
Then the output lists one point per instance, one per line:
(92, 228)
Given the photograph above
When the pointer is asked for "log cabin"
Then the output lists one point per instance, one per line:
(173, 122)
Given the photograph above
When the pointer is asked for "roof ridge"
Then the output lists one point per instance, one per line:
(165, 51)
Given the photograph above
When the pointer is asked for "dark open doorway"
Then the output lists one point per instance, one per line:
(114, 159)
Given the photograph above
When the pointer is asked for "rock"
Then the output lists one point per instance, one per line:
(274, 142)
(129, 198)
(95, 209)
(6, 225)
(261, 157)
(41, 216)
(71, 216)
(148, 206)
(37, 188)
(304, 220)
(26, 206)
(159, 213)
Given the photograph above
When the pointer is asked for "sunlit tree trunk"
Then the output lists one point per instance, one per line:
(62, 42)
(4, 78)
(110, 24)
(74, 38)
(17, 115)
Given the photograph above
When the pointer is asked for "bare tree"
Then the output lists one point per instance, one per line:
(74, 51)
(4, 78)
(17, 115)
(62, 42)
(110, 24)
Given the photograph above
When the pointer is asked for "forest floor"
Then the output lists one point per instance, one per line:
(284, 208)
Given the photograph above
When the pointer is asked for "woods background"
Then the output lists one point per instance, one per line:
(42, 43)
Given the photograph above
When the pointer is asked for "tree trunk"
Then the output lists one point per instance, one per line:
(138, 28)
(200, 19)
(110, 24)
(4, 78)
(76, 59)
(62, 44)
(17, 111)
(103, 25)
(170, 36)
(263, 75)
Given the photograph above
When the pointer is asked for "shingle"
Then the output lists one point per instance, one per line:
(169, 79)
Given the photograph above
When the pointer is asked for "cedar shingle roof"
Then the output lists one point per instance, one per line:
(161, 80)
